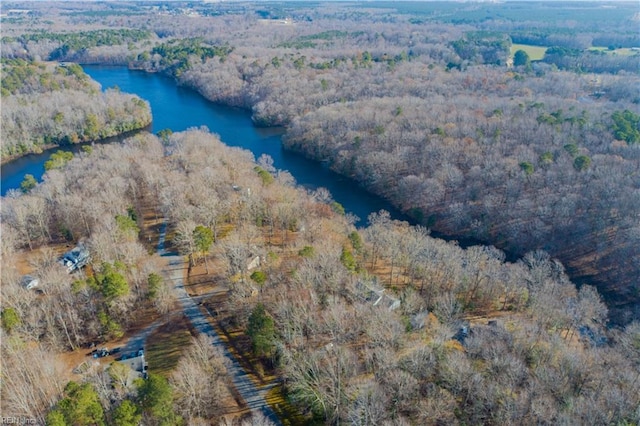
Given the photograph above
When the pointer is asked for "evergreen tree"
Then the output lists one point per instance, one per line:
(112, 283)
(156, 399)
(521, 59)
(261, 330)
(28, 183)
(10, 319)
(126, 414)
(203, 238)
(80, 406)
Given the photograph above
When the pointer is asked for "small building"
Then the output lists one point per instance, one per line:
(138, 367)
(387, 301)
(285, 21)
(18, 12)
(462, 333)
(370, 292)
(29, 282)
(253, 263)
(464, 330)
(75, 259)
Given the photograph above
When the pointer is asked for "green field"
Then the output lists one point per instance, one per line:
(535, 53)
(624, 51)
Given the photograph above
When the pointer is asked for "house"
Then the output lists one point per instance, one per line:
(370, 292)
(137, 364)
(76, 258)
(253, 263)
(138, 367)
(28, 282)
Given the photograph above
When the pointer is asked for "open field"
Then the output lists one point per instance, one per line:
(624, 51)
(535, 53)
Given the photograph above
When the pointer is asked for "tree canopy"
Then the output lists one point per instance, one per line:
(80, 406)
(261, 331)
(155, 396)
(521, 59)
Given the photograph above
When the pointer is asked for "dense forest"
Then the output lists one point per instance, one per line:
(45, 104)
(546, 357)
(557, 175)
(441, 108)
(433, 113)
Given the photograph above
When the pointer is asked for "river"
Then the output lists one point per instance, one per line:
(178, 108)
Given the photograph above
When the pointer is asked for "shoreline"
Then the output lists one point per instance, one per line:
(10, 158)
(7, 160)
(616, 303)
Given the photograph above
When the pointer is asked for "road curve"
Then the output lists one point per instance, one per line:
(254, 397)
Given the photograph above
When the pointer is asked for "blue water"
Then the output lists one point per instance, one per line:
(179, 108)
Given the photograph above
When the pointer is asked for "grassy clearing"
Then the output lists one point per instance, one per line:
(239, 345)
(625, 51)
(535, 53)
(166, 345)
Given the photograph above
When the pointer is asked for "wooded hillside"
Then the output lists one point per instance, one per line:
(48, 104)
(425, 112)
(415, 356)
(423, 104)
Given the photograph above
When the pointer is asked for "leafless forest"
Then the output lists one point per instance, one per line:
(420, 111)
(341, 357)
(45, 104)
(422, 104)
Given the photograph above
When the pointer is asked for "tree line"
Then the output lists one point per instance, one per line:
(66, 45)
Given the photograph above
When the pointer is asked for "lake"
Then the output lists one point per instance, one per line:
(178, 108)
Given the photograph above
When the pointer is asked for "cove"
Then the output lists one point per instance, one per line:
(179, 108)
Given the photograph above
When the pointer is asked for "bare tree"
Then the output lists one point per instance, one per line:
(199, 381)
